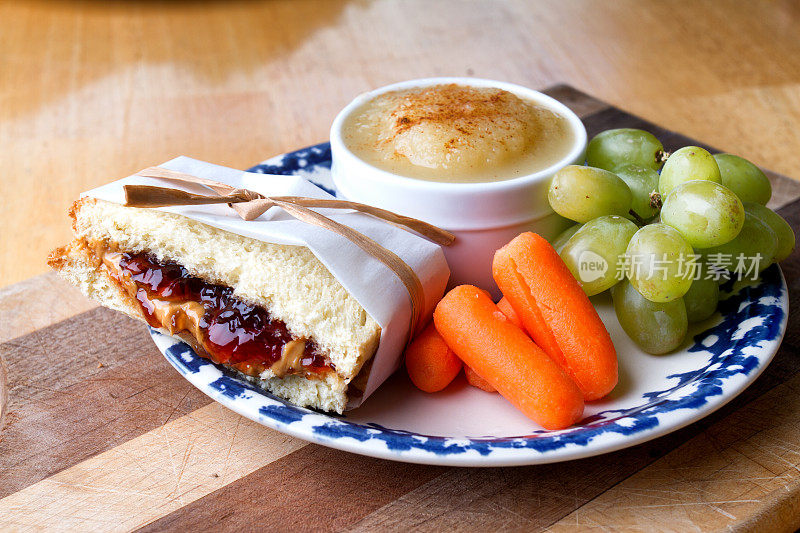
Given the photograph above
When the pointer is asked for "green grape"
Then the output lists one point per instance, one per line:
(583, 193)
(687, 164)
(562, 238)
(594, 254)
(701, 299)
(642, 182)
(744, 178)
(783, 231)
(660, 263)
(705, 213)
(655, 327)
(755, 246)
(612, 148)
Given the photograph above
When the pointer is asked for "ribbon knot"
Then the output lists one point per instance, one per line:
(247, 194)
(251, 205)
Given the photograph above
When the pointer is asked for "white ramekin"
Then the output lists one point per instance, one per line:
(483, 216)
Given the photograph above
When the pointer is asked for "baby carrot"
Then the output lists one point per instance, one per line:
(476, 381)
(556, 312)
(478, 333)
(507, 310)
(431, 365)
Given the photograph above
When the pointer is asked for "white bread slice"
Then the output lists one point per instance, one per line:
(288, 281)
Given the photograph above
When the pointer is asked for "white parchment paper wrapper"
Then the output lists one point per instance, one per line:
(373, 284)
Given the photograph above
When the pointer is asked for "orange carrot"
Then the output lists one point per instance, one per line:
(507, 310)
(501, 353)
(556, 312)
(476, 381)
(431, 365)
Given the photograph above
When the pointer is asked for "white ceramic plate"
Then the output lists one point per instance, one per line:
(465, 426)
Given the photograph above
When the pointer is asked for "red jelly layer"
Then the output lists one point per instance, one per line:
(235, 333)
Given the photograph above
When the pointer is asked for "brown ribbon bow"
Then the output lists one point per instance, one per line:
(250, 205)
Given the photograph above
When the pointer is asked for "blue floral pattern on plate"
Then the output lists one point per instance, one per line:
(731, 354)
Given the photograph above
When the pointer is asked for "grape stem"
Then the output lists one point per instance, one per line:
(655, 203)
(662, 156)
(639, 220)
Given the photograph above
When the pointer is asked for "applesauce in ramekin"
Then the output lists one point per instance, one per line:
(499, 189)
(457, 133)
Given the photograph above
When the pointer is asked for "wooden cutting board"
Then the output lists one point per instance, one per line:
(102, 434)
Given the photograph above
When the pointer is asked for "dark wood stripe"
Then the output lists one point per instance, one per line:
(80, 387)
(791, 271)
(580, 103)
(314, 488)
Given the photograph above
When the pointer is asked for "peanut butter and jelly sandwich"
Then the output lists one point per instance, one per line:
(272, 312)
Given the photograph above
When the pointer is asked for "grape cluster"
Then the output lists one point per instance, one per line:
(662, 231)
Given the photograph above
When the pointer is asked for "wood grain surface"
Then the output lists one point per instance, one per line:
(92, 90)
(102, 434)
